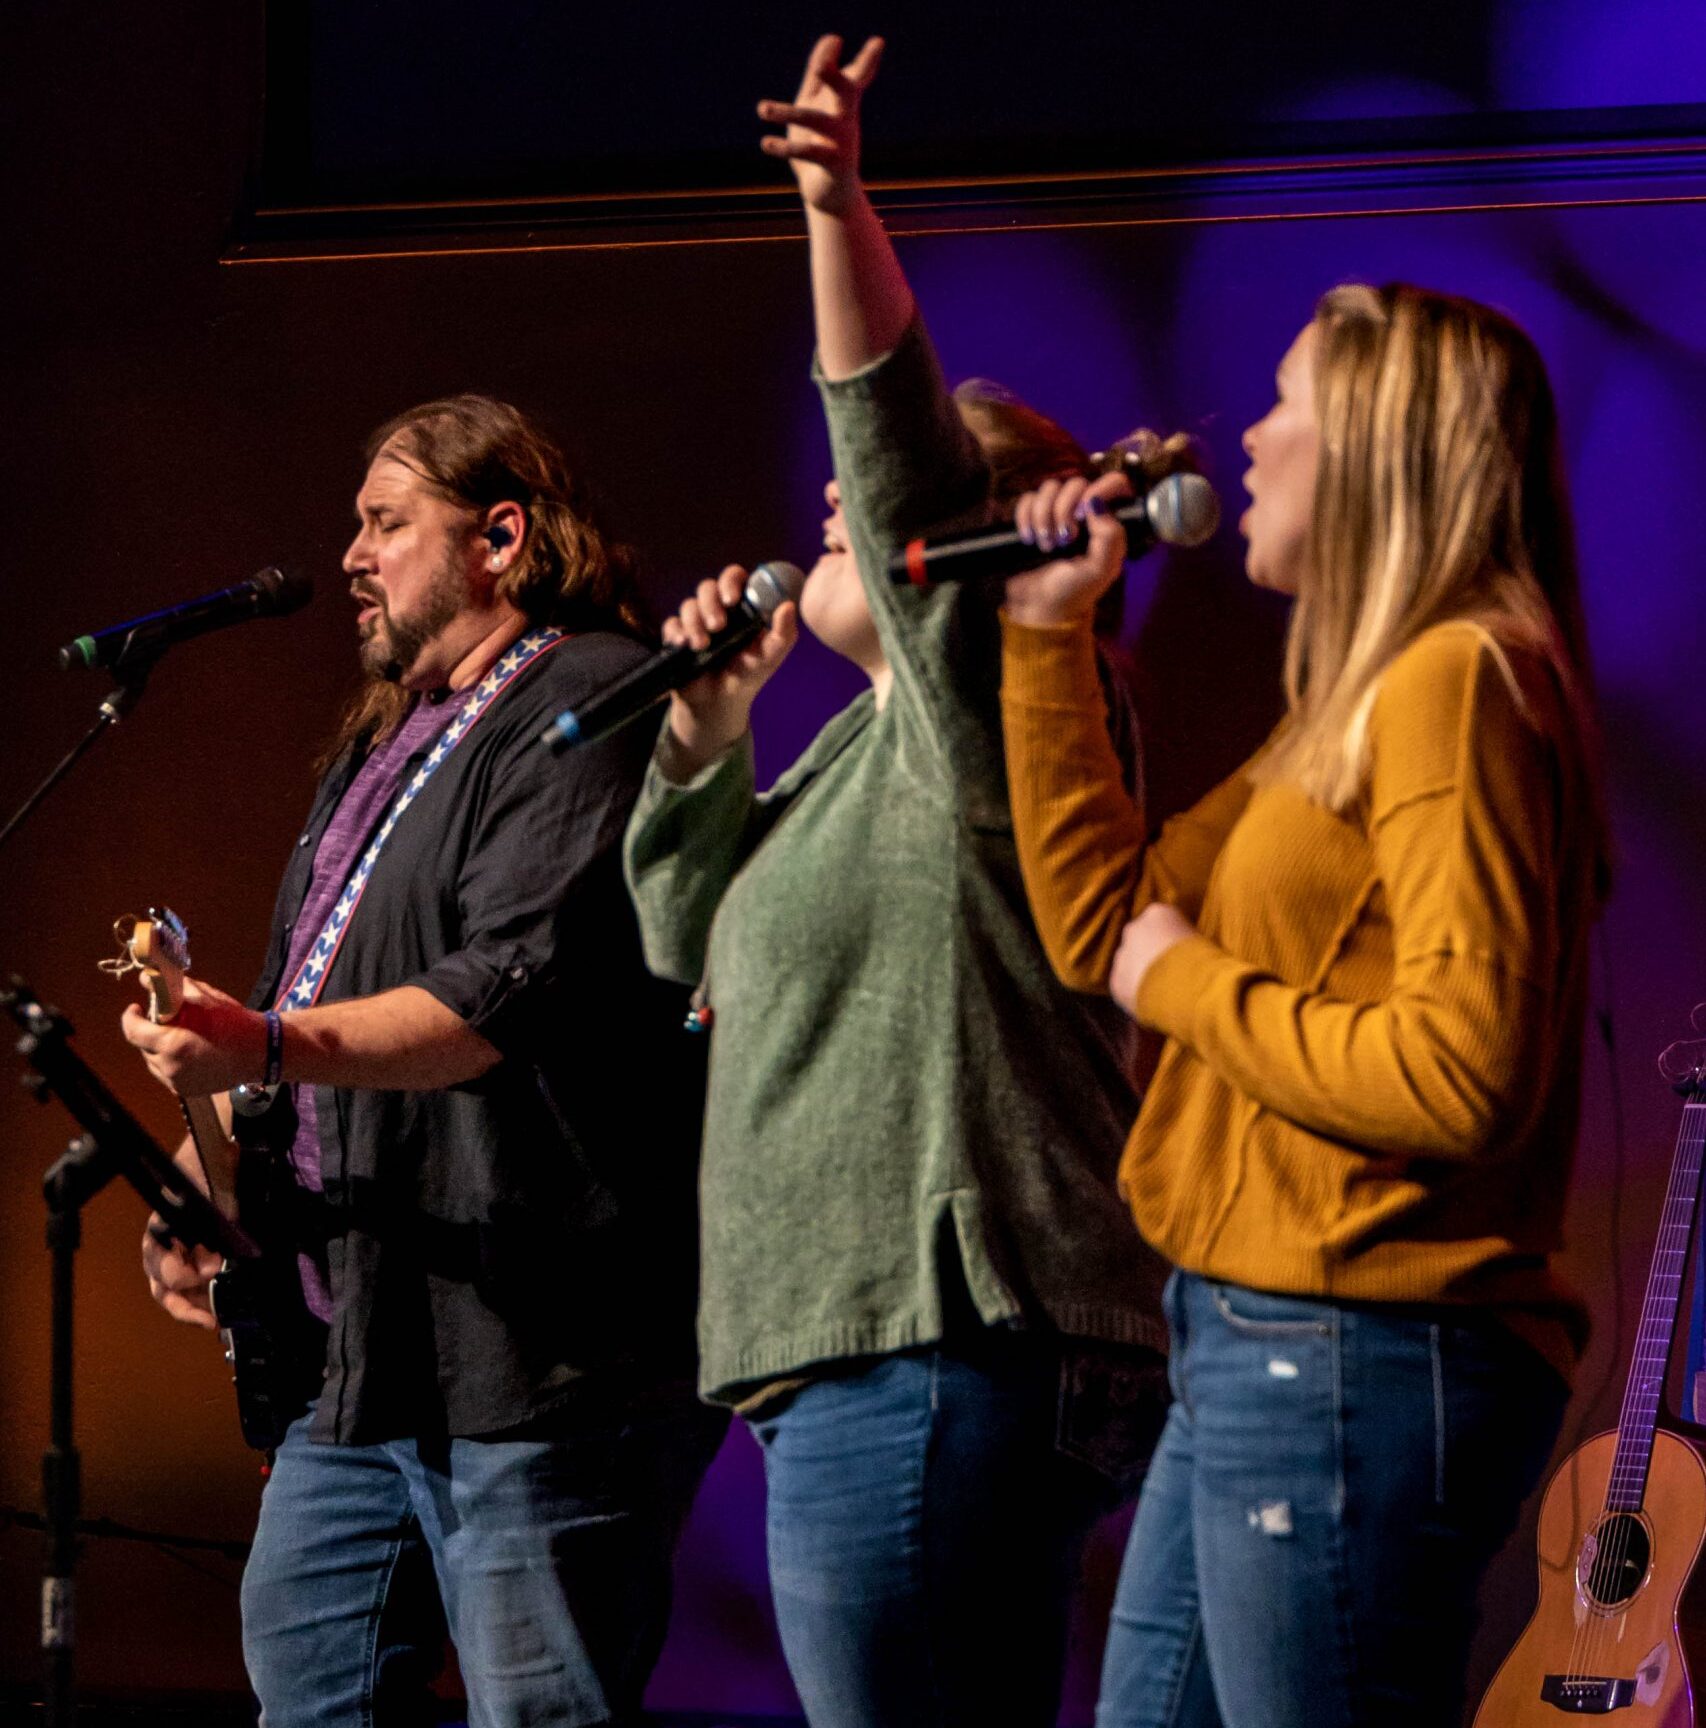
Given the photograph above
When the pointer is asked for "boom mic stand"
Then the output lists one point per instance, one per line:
(113, 1143)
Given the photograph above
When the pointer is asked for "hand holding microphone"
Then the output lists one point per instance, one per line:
(1180, 509)
(1060, 513)
(718, 651)
(708, 715)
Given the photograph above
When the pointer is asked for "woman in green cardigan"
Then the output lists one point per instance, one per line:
(918, 1284)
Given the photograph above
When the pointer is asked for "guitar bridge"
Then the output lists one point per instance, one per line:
(1586, 1694)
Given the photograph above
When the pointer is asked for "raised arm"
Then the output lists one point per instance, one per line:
(904, 459)
(860, 297)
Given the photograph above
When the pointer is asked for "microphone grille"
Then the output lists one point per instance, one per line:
(1183, 510)
(278, 591)
(772, 584)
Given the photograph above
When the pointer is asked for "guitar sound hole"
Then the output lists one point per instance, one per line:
(1614, 1560)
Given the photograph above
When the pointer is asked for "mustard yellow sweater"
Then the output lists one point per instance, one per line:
(1370, 1086)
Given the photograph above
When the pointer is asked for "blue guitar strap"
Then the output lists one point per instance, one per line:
(304, 989)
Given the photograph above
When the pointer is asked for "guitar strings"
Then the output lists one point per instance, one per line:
(1606, 1568)
(1589, 1646)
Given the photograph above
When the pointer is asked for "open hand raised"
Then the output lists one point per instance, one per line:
(821, 142)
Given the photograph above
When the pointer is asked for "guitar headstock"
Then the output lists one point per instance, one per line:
(1683, 1063)
(157, 948)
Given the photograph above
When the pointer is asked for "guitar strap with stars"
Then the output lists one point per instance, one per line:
(303, 991)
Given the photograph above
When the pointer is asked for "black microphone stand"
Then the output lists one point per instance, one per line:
(113, 1143)
(132, 673)
(77, 1177)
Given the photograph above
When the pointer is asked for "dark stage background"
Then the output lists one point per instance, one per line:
(173, 422)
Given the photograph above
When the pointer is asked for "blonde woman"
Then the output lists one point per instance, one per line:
(1368, 950)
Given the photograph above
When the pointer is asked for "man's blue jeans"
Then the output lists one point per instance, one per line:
(926, 1515)
(1329, 1488)
(551, 1558)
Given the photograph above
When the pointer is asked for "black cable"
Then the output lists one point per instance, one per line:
(1604, 1019)
(110, 1529)
(171, 1551)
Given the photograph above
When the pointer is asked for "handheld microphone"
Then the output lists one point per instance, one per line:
(1182, 510)
(269, 594)
(628, 697)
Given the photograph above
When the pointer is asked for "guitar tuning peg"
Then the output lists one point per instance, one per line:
(35, 1084)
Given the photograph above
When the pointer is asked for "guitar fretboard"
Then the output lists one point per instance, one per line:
(1627, 1486)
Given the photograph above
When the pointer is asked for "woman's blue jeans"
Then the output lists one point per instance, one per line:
(549, 1556)
(1328, 1490)
(926, 1515)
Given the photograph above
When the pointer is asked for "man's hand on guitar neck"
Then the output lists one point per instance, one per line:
(177, 1276)
(212, 1044)
(400, 1040)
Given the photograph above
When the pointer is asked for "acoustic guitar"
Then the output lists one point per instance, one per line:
(1621, 1620)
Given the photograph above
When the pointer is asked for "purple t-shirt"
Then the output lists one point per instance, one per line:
(359, 812)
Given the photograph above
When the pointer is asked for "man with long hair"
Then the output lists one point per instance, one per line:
(496, 1234)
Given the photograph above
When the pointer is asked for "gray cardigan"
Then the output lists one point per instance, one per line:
(901, 1094)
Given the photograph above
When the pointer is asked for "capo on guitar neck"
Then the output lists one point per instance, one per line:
(125, 961)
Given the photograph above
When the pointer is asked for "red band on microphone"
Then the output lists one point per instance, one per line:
(915, 572)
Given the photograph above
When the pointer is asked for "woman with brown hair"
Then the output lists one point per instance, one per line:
(1368, 950)
(919, 1286)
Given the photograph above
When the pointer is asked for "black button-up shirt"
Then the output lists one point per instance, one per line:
(498, 1248)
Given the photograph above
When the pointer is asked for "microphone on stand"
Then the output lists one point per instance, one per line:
(1181, 510)
(271, 593)
(626, 698)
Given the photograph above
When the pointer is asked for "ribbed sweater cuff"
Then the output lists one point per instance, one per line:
(661, 782)
(1049, 665)
(1174, 986)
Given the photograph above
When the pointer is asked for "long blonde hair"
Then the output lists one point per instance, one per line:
(1439, 495)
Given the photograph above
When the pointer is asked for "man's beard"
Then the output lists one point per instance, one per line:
(390, 649)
